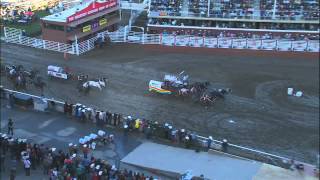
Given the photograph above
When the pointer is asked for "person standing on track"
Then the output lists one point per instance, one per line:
(10, 127)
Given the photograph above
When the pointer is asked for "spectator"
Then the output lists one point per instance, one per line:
(10, 127)
(27, 165)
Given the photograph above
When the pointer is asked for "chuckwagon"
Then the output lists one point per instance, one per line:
(157, 86)
(58, 72)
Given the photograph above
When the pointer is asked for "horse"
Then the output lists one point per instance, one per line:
(39, 83)
(30, 74)
(20, 82)
(198, 87)
(183, 92)
(206, 100)
(100, 83)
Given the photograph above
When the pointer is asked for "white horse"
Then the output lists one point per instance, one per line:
(101, 83)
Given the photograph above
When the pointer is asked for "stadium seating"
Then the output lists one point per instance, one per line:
(240, 9)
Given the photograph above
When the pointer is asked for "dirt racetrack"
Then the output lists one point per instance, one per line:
(258, 113)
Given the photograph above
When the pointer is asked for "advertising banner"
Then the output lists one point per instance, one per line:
(284, 45)
(167, 40)
(102, 21)
(182, 40)
(299, 45)
(269, 44)
(196, 41)
(239, 43)
(86, 28)
(224, 42)
(93, 8)
(313, 46)
(210, 42)
(253, 43)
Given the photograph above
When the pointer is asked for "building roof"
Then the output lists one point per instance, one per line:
(64, 15)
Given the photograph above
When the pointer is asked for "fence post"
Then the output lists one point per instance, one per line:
(231, 44)
(77, 45)
(44, 44)
(125, 34)
(217, 42)
(58, 46)
(5, 33)
(142, 38)
(246, 43)
(160, 38)
(203, 45)
(307, 49)
(20, 39)
(88, 45)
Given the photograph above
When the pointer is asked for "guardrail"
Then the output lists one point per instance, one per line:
(126, 36)
(12, 35)
(233, 149)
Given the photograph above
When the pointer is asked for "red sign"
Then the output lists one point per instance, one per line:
(93, 8)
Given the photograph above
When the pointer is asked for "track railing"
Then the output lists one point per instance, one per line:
(12, 35)
(123, 35)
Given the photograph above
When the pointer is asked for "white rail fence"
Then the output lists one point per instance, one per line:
(125, 36)
(12, 35)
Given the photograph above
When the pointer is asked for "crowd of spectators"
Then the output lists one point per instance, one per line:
(241, 34)
(75, 163)
(22, 12)
(246, 9)
(290, 9)
(232, 8)
(242, 25)
(13, 14)
(129, 124)
(168, 7)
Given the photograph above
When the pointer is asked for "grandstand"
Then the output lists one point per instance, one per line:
(285, 18)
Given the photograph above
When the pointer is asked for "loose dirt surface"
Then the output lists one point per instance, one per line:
(257, 114)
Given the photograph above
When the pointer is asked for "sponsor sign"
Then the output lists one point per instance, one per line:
(313, 46)
(86, 28)
(299, 45)
(210, 42)
(196, 41)
(269, 44)
(239, 43)
(253, 43)
(93, 8)
(224, 42)
(284, 45)
(182, 40)
(102, 21)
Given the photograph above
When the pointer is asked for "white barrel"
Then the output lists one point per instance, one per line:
(290, 91)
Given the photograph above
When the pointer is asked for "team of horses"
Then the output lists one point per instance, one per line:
(21, 77)
(199, 91)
